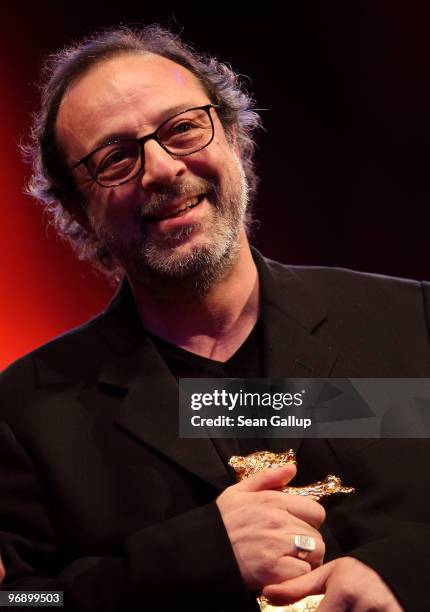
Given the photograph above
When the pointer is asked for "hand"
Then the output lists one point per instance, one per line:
(349, 585)
(261, 524)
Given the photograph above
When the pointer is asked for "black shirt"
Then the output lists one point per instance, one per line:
(247, 362)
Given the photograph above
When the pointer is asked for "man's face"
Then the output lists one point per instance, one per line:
(181, 216)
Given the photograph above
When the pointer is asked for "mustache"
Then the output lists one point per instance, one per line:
(166, 193)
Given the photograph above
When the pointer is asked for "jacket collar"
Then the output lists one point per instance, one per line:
(290, 316)
(150, 407)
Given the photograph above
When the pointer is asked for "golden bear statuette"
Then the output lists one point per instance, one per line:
(331, 485)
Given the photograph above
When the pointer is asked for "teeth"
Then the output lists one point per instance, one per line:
(191, 202)
(188, 204)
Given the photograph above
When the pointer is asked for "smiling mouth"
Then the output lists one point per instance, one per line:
(191, 203)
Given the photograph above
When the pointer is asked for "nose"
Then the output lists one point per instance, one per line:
(160, 168)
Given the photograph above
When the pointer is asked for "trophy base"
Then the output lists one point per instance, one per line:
(307, 604)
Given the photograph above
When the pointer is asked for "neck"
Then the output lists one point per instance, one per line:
(214, 324)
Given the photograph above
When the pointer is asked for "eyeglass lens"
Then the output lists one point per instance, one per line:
(181, 135)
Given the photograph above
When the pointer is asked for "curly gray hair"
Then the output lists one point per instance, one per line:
(51, 181)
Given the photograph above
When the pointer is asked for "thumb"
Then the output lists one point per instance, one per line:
(270, 478)
(312, 583)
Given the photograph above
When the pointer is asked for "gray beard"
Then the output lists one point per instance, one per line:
(205, 264)
(196, 272)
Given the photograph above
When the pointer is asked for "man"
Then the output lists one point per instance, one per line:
(143, 154)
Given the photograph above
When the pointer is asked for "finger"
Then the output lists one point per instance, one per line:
(334, 602)
(312, 583)
(313, 557)
(344, 596)
(287, 568)
(271, 478)
(299, 506)
(293, 526)
(308, 510)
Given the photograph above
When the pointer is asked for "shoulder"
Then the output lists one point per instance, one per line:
(335, 277)
(370, 309)
(64, 360)
(378, 324)
(360, 289)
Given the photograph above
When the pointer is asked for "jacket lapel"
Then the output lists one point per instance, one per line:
(290, 315)
(135, 369)
(150, 409)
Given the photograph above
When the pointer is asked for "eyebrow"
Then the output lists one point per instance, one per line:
(170, 112)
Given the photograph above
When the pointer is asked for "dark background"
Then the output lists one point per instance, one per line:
(344, 159)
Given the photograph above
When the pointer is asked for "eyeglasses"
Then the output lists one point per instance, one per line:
(121, 160)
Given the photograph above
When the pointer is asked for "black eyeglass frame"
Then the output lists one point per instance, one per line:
(141, 142)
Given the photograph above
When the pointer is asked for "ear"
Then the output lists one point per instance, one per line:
(74, 204)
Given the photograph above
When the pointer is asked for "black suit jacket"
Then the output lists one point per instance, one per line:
(100, 498)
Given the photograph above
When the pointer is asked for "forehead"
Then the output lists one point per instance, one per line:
(129, 94)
